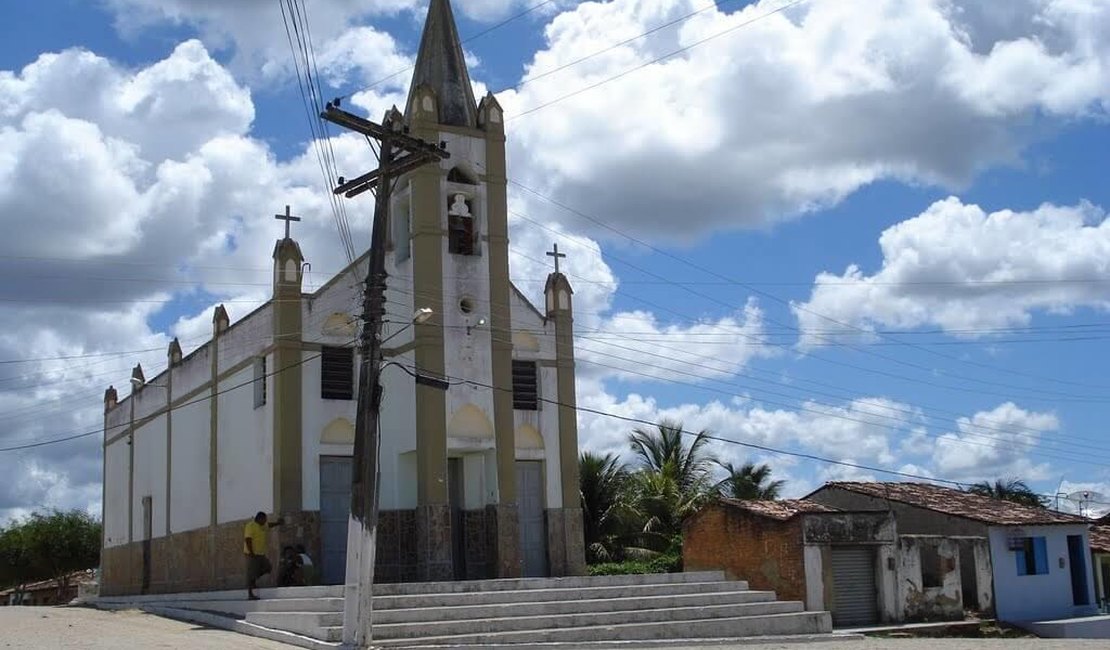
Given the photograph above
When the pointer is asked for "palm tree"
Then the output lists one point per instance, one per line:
(671, 483)
(663, 449)
(1014, 490)
(602, 484)
(749, 481)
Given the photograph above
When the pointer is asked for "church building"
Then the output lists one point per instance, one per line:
(477, 481)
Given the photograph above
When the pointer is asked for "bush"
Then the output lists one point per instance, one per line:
(658, 564)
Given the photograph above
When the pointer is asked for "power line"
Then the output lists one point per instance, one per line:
(468, 39)
(749, 445)
(169, 409)
(654, 61)
(788, 303)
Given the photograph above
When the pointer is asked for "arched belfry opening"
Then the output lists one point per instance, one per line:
(461, 175)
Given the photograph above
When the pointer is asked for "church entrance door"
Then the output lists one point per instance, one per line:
(533, 533)
(335, 512)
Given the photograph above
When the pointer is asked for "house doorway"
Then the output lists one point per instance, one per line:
(1077, 562)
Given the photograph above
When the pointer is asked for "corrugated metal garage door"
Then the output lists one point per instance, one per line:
(854, 593)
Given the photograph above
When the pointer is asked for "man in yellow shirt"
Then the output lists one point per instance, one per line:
(254, 549)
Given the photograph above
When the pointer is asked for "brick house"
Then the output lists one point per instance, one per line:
(801, 550)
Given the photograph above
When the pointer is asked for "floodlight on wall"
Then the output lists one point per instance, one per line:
(419, 317)
(481, 322)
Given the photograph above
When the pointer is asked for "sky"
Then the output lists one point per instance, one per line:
(845, 237)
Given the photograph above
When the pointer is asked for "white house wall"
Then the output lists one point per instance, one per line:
(244, 469)
(190, 493)
(116, 459)
(150, 476)
(1037, 597)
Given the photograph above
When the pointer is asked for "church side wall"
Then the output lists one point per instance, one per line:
(116, 459)
(190, 497)
(150, 476)
(246, 339)
(193, 373)
(244, 470)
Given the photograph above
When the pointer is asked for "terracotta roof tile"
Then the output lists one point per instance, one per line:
(955, 502)
(1100, 538)
(781, 510)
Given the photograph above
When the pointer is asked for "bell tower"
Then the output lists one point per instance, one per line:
(449, 234)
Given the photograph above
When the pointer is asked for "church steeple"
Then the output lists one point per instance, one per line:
(441, 68)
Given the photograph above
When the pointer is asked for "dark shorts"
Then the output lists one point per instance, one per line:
(257, 566)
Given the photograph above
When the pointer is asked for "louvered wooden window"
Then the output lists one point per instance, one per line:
(337, 373)
(525, 386)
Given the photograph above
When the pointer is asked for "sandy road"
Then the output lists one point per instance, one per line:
(78, 627)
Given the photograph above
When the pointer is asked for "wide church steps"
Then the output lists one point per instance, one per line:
(579, 610)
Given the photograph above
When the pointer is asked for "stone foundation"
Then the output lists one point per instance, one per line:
(565, 542)
(505, 541)
(204, 559)
(413, 545)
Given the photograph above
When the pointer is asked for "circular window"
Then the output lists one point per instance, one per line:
(466, 305)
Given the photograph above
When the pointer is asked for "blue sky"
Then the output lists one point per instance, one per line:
(758, 164)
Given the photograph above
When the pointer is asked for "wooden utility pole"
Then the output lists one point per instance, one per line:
(399, 153)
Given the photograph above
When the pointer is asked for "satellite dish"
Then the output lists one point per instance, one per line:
(1087, 502)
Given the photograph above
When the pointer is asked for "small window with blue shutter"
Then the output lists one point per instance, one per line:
(1032, 557)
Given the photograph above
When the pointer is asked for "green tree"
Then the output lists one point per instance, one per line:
(672, 481)
(749, 481)
(54, 545)
(15, 562)
(1014, 490)
(602, 484)
(664, 450)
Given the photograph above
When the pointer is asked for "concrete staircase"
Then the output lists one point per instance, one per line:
(577, 610)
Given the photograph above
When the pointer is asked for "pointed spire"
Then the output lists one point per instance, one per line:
(441, 67)
(174, 352)
(138, 379)
(111, 398)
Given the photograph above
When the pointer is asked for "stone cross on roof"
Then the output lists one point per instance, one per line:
(287, 217)
(556, 254)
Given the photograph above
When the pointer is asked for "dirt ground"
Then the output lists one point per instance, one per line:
(78, 627)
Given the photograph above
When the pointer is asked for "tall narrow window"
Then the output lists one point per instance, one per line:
(337, 373)
(259, 382)
(525, 386)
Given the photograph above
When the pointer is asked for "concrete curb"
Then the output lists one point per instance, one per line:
(228, 623)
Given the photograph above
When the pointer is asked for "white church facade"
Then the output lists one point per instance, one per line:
(477, 481)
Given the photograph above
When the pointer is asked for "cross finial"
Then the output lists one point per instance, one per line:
(287, 217)
(556, 254)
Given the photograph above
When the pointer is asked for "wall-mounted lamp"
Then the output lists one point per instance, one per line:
(481, 322)
(419, 317)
